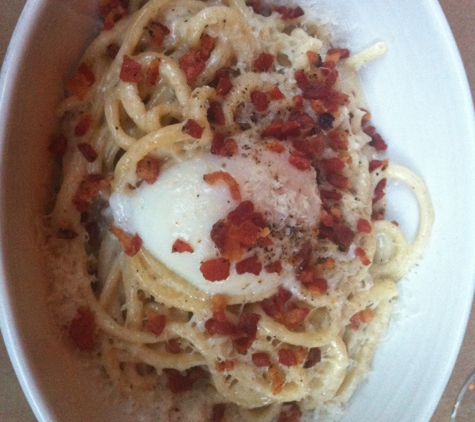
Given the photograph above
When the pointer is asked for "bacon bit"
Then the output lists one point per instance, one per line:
(318, 286)
(362, 255)
(290, 129)
(82, 329)
(287, 357)
(314, 58)
(65, 233)
(112, 50)
(333, 165)
(244, 211)
(193, 62)
(338, 139)
(264, 62)
(339, 181)
(364, 316)
(224, 366)
(363, 226)
(275, 267)
(181, 246)
(58, 145)
(377, 142)
(224, 86)
(155, 322)
(192, 128)
(218, 412)
(330, 195)
(331, 77)
(294, 317)
(377, 215)
(318, 107)
(275, 146)
(173, 346)
(259, 100)
(219, 232)
(80, 83)
(276, 94)
(249, 265)
(246, 233)
(156, 31)
(220, 303)
(261, 359)
(246, 331)
(131, 244)
(274, 305)
(130, 70)
(221, 326)
(222, 147)
(89, 187)
(290, 413)
(215, 114)
(289, 12)
(153, 72)
(217, 176)
(313, 357)
(299, 161)
(379, 191)
(148, 169)
(277, 381)
(341, 53)
(325, 120)
(83, 125)
(311, 147)
(274, 129)
(178, 383)
(215, 269)
(112, 11)
(374, 164)
(88, 152)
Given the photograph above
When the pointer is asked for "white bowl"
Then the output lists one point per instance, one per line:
(420, 101)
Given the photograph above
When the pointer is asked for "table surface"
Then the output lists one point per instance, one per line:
(461, 15)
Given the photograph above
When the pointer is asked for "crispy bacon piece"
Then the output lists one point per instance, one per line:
(193, 62)
(276, 94)
(275, 146)
(261, 359)
(313, 357)
(220, 326)
(246, 331)
(376, 164)
(314, 58)
(379, 191)
(219, 232)
(192, 128)
(224, 366)
(112, 50)
(83, 125)
(89, 187)
(299, 161)
(215, 269)
(312, 147)
(378, 143)
(58, 145)
(274, 305)
(173, 346)
(153, 72)
(275, 267)
(289, 12)
(223, 176)
(156, 32)
(178, 383)
(330, 195)
(131, 71)
(244, 211)
(218, 412)
(363, 226)
(249, 265)
(264, 62)
(290, 413)
(259, 100)
(333, 165)
(223, 147)
(362, 317)
(131, 244)
(155, 322)
(148, 169)
(339, 181)
(277, 381)
(181, 246)
(82, 329)
(224, 85)
(215, 114)
(294, 317)
(88, 152)
(112, 11)
(82, 80)
(287, 357)
(362, 255)
(246, 233)
(338, 139)
(337, 53)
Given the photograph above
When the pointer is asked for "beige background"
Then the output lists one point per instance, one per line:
(461, 17)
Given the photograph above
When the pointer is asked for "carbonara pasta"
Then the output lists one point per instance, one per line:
(218, 239)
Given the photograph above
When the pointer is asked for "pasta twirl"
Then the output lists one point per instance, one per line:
(218, 237)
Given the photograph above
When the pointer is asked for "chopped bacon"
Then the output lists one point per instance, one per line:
(294, 317)
(379, 190)
(178, 383)
(241, 213)
(173, 346)
(276, 379)
(221, 326)
(156, 31)
(223, 147)
(83, 125)
(290, 129)
(299, 161)
(259, 100)
(314, 58)
(362, 255)
(341, 53)
(224, 85)
(340, 234)
(224, 366)
(313, 357)
(215, 114)
(311, 147)
(112, 11)
(261, 359)
(217, 176)
(276, 94)
(215, 269)
(131, 71)
(181, 246)
(289, 12)
(363, 226)
(318, 286)
(338, 139)
(219, 232)
(246, 233)
(153, 72)
(274, 129)
(218, 412)
(330, 195)
(364, 316)
(290, 413)
(155, 322)
(275, 146)
(246, 331)
(375, 164)
(275, 267)
(377, 215)
(264, 62)
(220, 303)
(287, 357)
(333, 165)
(192, 128)
(79, 84)
(131, 244)
(378, 143)
(148, 169)
(249, 265)
(339, 181)
(82, 329)
(112, 50)
(58, 145)
(88, 152)
(89, 187)
(193, 62)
